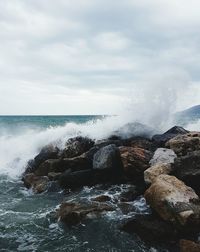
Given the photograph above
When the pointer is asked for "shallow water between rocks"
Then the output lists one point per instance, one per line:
(27, 222)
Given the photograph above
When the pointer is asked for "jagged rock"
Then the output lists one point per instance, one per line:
(150, 228)
(160, 140)
(76, 146)
(107, 157)
(72, 213)
(163, 155)
(101, 198)
(61, 165)
(38, 184)
(140, 142)
(48, 152)
(174, 201)
(130, 194)
(105, 142)
(187, 168)
(135, 161)
(154, 171)
(183, 144)
(189, 246)
(54, 175)
(76, 179)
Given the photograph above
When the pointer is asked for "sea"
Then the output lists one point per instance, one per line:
(27, 221)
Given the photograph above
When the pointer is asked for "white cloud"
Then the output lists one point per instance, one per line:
(72, 56)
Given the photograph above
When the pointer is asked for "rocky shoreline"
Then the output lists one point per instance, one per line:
(165, 169)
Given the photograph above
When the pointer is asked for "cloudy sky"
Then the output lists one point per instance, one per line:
(97, 56)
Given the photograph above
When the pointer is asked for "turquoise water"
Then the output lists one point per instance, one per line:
(17, 123)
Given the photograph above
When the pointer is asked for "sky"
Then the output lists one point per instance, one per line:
(97, 56)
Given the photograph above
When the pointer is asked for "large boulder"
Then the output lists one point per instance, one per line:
(160, 140)
(150, 228)
(48, 152)
(182, 144)
(38, 184)
(61, 165)
(76, 179)
(174, 201)
(76, 146)
(189, 246)
(107, 157)
(135, 161)
(151, 174)
(163, 155)
(187, 168)
(72, 213)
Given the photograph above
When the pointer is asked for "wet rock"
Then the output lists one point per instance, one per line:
(151, 174)
(38, 184)
(76, 146)
(141, 142)
(105, 142)
(189, 246)
(101, 198)
(48, 152)
(107, 157)
(183, 144)
(163, 155)
(54, 175)
(160, 140)
(76, 179)
(50, 165)
(135, 161)
(150, 228)
(130, 194)
(72, 213)
(187, 168)
(174, 201)
(61, 165)
(130, 130)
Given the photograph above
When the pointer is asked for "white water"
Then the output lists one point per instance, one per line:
(17, 148)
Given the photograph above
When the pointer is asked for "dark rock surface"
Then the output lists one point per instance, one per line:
(160, 140)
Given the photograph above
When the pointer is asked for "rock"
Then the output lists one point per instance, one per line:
(135, 161)
(174, 201)
(150, 228)
(101, 198)
(130, 194)
(107, 157)
(189, 246)
(154, 171)
(183, 144)
(72, 213)
(140, 142)
(38, 184)
(77, 146)
(48, 152)
(105, 142)
(130, 130)
(160, 140)
(163, 155)
(61, 165)
(76, 179)
(187, 168)
(50, 165)
(54, 175)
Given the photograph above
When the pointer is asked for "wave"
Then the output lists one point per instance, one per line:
(17, 147)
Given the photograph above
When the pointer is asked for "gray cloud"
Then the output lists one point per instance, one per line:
(92, 56)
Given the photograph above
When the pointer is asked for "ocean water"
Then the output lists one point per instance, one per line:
(26, 222)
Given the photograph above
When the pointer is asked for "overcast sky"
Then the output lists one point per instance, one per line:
(97, 56)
